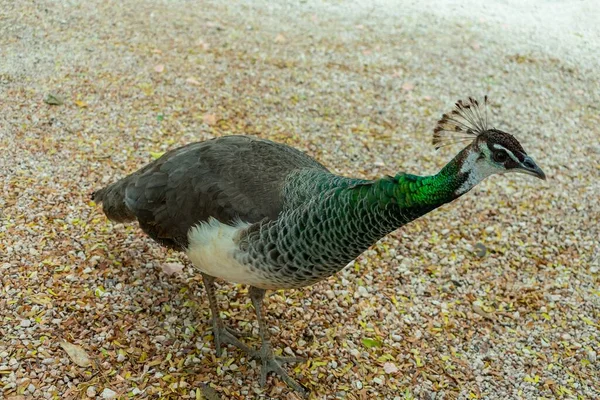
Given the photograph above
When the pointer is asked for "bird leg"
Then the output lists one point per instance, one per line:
(270, 362)
(222, 333)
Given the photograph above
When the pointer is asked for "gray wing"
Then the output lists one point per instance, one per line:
(225, 178)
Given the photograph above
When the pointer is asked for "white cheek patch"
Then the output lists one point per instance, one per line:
(469, 162)
(476, 170)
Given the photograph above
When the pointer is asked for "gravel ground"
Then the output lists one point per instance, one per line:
(494, 296)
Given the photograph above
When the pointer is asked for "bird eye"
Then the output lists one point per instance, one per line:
(500, 156)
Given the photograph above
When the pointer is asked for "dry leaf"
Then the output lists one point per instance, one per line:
(53, 99)
(159, 68)
(81, 103)
(172, 268)
(193, 81)
(209, 119)
(76, 353)
(480, 311)
(280, 38)
(209, 393)
(203, 44)
(407, 86)
(156, 154)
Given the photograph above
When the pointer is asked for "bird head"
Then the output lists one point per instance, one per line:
(503, 153)
(491, 151)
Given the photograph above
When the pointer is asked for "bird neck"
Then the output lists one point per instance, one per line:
(457, 177)
(339, 218)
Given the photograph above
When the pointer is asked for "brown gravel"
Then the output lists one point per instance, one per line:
(495, 296)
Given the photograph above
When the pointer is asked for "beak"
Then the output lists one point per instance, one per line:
(529, 167)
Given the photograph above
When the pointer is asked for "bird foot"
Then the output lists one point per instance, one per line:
(226, 335)
(272, 363)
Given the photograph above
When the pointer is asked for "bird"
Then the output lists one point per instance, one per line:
(251, 211)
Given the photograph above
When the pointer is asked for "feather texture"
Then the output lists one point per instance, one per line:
(257, 212)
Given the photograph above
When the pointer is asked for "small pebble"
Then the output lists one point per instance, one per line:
(591, 354)
(91, 391)
(362, 291)
(108, 394)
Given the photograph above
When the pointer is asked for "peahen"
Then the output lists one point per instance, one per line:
(251, 211)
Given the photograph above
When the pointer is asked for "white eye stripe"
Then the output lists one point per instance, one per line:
(510, 153)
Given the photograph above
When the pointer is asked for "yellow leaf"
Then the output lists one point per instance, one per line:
(209, 119)
(156, 155)
(76, 353)
(546, 316)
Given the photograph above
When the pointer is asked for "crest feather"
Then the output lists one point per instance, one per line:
(467, 121)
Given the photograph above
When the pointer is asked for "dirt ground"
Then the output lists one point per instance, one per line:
(494, 296)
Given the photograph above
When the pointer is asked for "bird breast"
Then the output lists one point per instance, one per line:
(212, 249)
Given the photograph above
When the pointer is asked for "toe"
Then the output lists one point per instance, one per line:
(272, 364)
(236, 333)
(290, 360)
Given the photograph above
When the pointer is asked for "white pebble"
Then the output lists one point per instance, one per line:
(91, 391)
(358, 384)
(108, 394)
(25, 323)
(591, 355)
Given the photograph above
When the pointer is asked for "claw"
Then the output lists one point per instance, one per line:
(237, 333)
(289, 360)
(271, 363)
(225, 335)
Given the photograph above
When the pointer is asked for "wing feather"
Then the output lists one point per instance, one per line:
(229, 178)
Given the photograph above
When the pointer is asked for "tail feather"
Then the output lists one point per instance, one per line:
(112, 198)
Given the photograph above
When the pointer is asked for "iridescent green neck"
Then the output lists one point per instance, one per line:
(425, 193)
(329, 220)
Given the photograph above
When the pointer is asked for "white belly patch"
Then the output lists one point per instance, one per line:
(211, 249)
